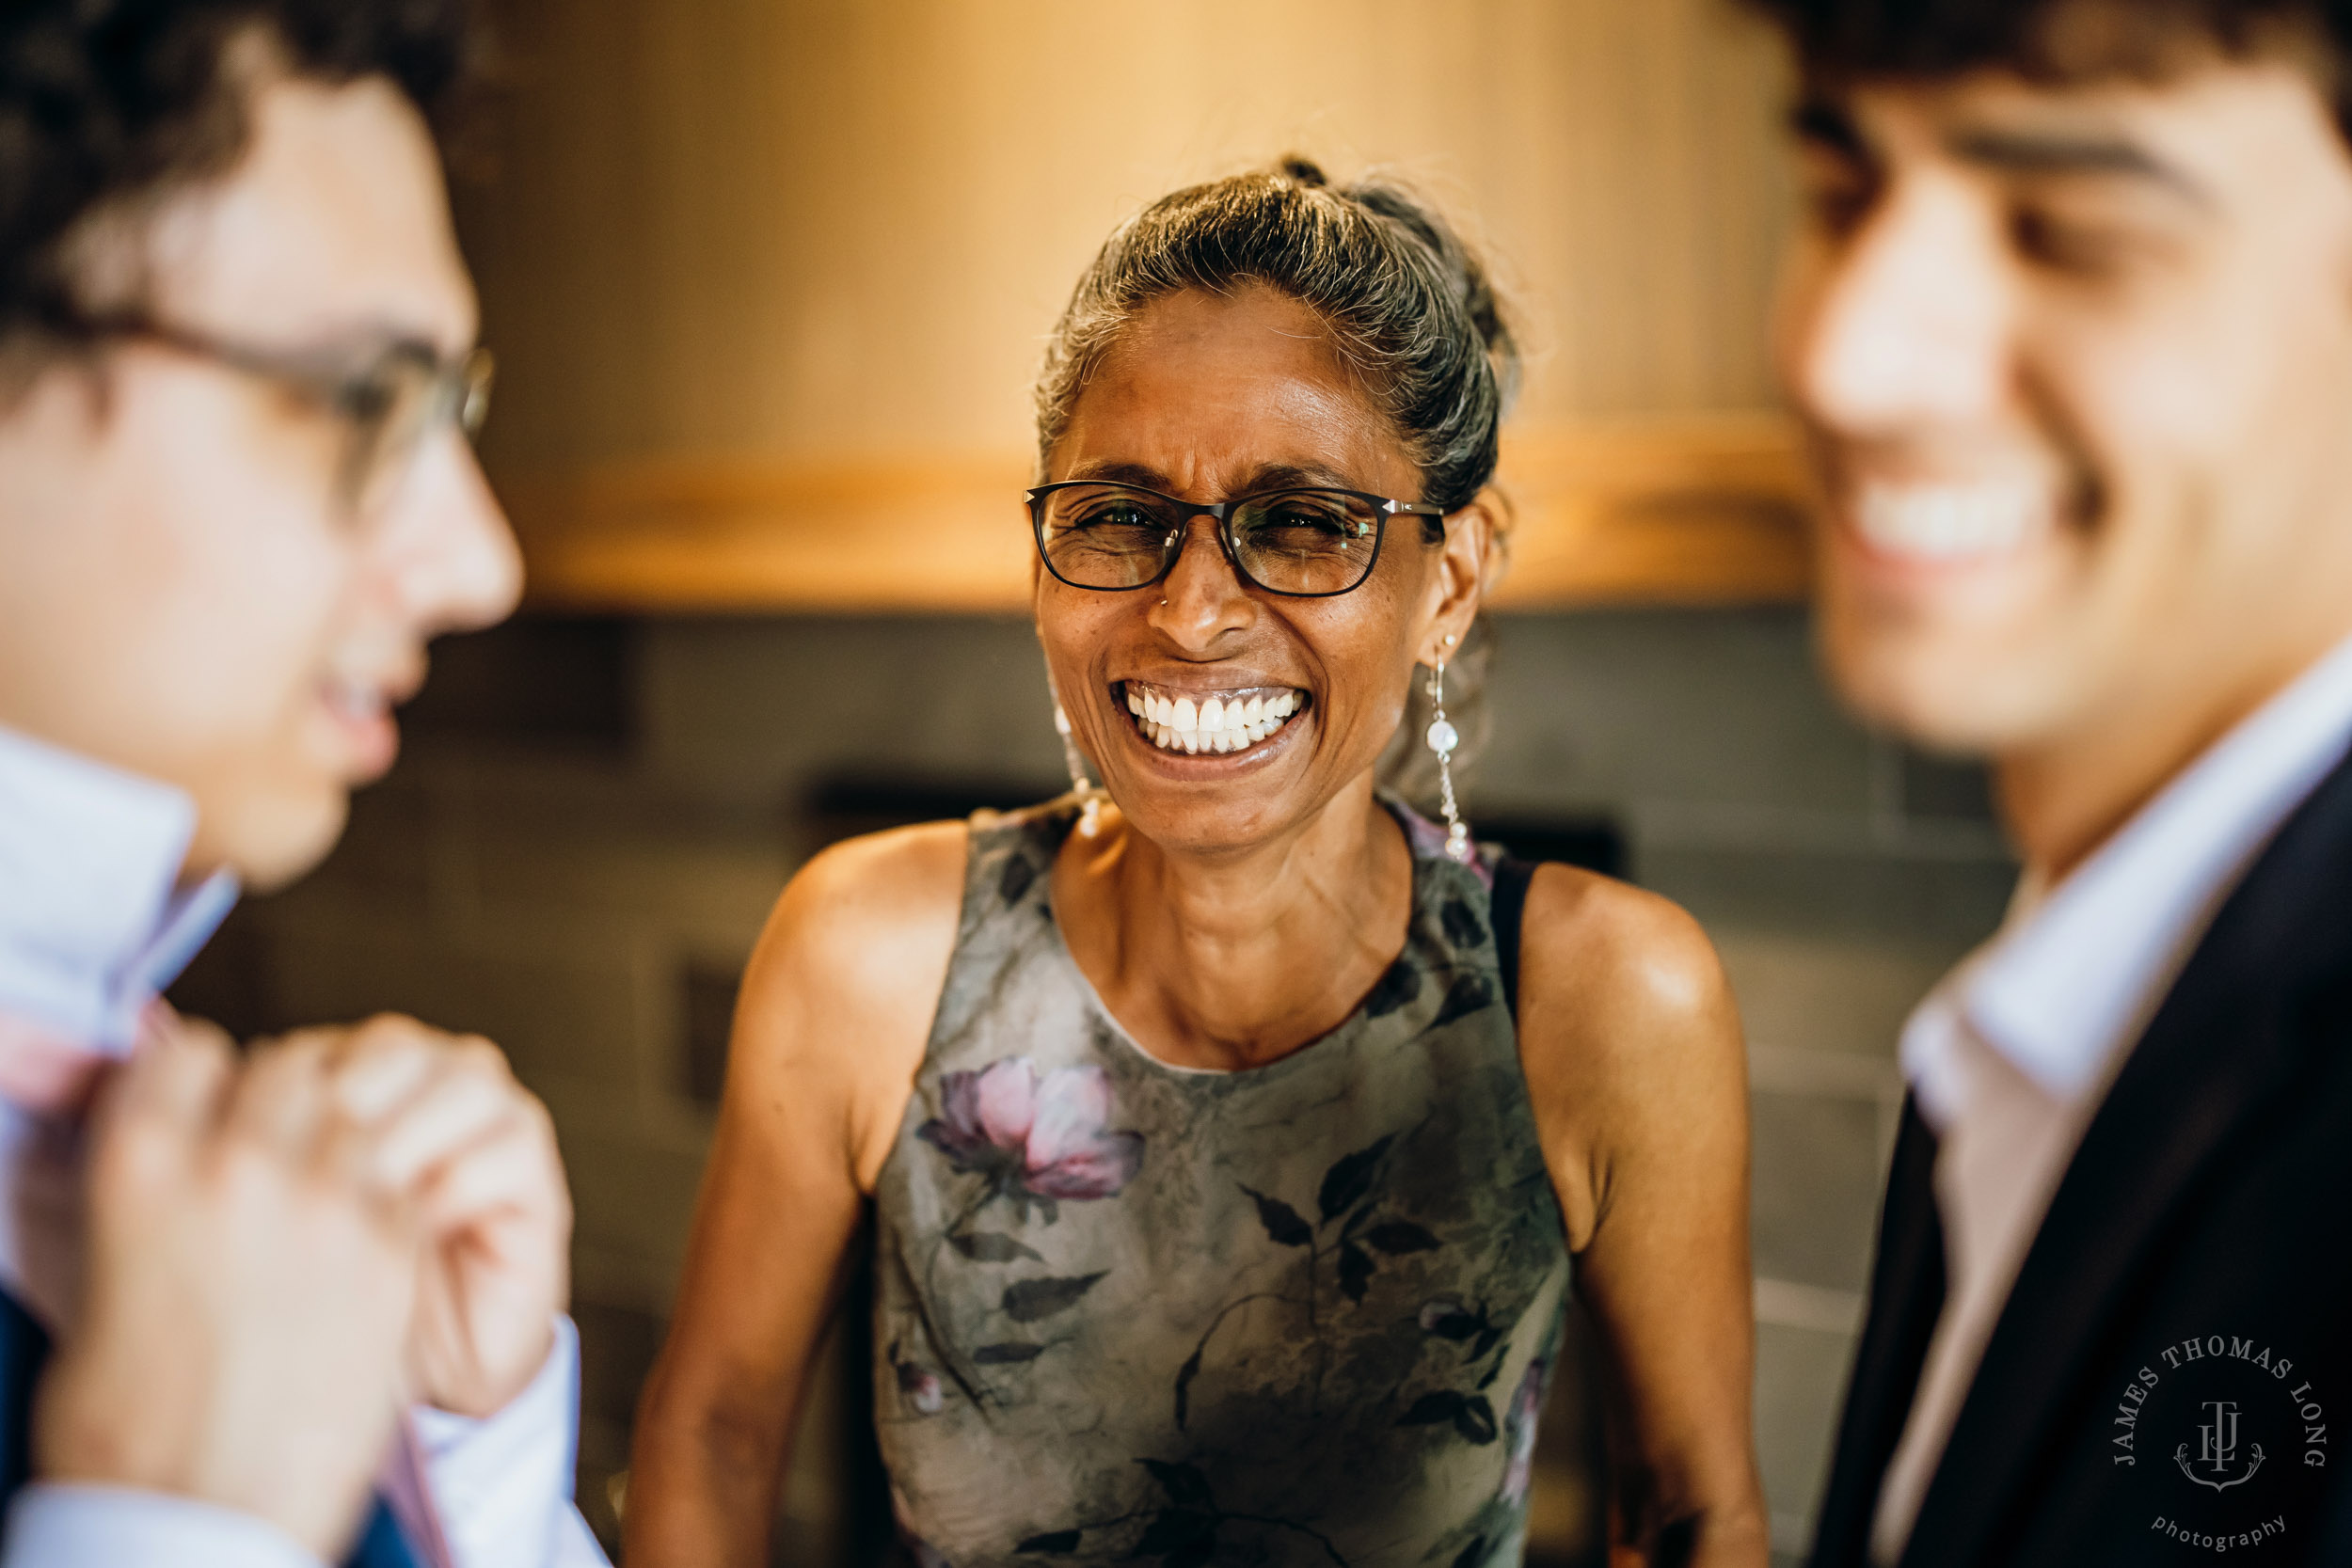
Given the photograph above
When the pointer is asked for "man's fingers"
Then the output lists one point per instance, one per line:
(280, 1099)
(511, 1170)
(382, 1063)
(175, 1080)
(468, 1098)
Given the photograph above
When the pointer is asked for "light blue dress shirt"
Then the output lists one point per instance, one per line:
(93, 923)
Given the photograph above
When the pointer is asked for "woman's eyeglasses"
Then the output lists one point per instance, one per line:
(1305, 542)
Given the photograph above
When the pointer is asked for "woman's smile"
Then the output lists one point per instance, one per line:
(1222, 721)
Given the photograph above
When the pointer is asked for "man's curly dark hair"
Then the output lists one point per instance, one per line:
(103, 102)
(2057, 40)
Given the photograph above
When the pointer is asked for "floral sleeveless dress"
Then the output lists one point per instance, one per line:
(1129, 1313)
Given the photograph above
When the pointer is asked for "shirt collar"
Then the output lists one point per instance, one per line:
(93, 921)
(2076, 970)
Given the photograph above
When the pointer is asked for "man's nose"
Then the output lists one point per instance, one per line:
(1202, 598)
(1909, 322)
(447, 559)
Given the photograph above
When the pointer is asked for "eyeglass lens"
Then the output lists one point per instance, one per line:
(1303, 541)
(397, 405)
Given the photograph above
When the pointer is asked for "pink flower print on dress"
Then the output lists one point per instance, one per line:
(1035, 1138)
(1519, 1423)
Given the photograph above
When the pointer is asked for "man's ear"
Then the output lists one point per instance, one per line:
(1472, 563)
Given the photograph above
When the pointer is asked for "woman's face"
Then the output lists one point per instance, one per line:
(1208, 397)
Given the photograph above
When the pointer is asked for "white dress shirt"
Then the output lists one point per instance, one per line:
(92, 925)
(2011, 1056)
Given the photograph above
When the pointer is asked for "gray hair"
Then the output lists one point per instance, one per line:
(1409, 308)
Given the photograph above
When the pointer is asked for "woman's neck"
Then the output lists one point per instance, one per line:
(1233, 961)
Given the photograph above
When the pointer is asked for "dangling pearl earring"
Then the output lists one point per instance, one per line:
(1091, 813)
(1443, 738)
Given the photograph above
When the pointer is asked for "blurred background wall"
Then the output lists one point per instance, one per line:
(768, 280)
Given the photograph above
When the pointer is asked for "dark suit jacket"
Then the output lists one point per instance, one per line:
(2211, 1201)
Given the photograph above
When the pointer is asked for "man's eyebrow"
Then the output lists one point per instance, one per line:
(2064, 152)
(1824, 122)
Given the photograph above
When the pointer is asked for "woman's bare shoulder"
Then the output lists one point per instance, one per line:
(1596, 944)
(837, 1002)
(1624, 1004)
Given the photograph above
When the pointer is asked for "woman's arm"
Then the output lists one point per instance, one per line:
(1638, 1075)
(835, 1011)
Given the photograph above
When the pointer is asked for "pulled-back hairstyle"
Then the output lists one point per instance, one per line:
(1408, 307)
(1410, 310)
(107, 102)
(2059, 41)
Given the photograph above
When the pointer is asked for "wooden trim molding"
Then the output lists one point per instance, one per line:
(1696, 510)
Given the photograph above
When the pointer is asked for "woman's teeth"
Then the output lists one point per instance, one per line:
(1231, 723)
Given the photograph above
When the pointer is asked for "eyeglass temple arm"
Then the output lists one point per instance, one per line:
(1432, 519)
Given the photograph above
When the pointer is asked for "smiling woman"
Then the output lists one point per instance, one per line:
(1225, 1202)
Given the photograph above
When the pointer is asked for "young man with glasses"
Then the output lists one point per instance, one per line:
(2069, 326)
(301, 1304)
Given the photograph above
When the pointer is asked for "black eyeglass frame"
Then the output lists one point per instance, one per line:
(459, 389)
(1172, 549)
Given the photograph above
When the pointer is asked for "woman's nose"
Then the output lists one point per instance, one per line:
(1202, 598)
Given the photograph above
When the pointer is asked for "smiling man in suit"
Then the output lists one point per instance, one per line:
(301, 1303)
(2069, 328)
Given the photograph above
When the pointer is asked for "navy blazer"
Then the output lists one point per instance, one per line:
(2174, 1362)
(24, 1349)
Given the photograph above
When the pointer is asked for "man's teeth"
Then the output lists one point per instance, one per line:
(1948, 522)
(1232, 724)
(355, 698)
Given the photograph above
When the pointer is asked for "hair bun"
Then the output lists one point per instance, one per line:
(1305, 170)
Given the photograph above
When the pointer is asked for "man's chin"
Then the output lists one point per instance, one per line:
(269, 843)
(1953, 700)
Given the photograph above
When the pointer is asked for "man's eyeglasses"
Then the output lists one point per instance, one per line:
(390, 403)
(1307, 542)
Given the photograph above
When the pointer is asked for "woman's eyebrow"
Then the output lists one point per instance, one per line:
(1290, 476)
(1142, 476)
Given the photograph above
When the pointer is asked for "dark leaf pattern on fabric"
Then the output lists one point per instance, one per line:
(1469, 993)
(1350, 1178)
(985, 1246)
(1475, 1421)
(1283, 1223)
(1185, 1374)
(1016, 879)
(1053, 1542)
(1011, 1354)
(1473, 1554)
(1186, 1486)
(1031, 1299)
(1398, 1237)
(1355, 1270)
(1463, 928)
(1394, 988)
(1199, 1555)
(1176, 1530)
(1430, 1409)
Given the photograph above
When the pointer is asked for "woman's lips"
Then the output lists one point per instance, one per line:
(1215, 722)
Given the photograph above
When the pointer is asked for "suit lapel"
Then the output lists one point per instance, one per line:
(2219, 1048)
(1906, 1296)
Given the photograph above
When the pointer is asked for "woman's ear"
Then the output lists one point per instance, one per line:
(1471, 565)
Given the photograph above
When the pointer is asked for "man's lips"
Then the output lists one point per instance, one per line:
(1946, 523)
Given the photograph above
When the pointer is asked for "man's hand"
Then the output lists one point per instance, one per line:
(250, 1292)
(474, 1153)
